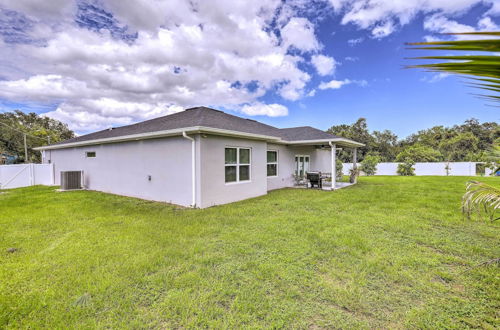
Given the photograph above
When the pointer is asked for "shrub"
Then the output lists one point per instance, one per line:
(338, 169)
(369, 164)
(406, 168)
(353, 175)
(447, 168)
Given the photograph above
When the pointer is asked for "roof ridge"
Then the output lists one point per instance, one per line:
(297, 127)
(239, 118)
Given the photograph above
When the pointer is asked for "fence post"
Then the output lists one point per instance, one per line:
(32, 175)
(52, 175)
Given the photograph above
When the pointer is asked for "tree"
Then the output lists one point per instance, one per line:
(338, 169)
(460, 146)
(431, 137)
(481, 197)
(358, 131)
(469, 141)
(385, 144)
(38, 129)
(419, 153)
(369, 164)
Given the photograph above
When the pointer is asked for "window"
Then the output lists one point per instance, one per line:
(90, 154)
(237, 164)
(272, 163)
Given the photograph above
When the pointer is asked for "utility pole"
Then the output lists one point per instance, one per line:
(25, 150)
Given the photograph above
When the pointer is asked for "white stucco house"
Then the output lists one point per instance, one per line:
(198, 157)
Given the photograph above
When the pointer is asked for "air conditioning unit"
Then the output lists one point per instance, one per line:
(71, 180)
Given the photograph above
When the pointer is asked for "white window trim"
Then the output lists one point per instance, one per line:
(238, 164)
(273, 163)
(87, 152)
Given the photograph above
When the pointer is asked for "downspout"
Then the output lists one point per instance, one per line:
(193, 167)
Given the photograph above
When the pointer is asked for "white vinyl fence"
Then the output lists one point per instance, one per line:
(24, 175)
(455, 168)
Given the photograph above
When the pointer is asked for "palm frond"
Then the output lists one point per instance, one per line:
(485, 68)
(480, 197)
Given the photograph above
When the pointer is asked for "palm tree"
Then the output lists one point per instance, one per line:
(484, 73)
(481, 197)
(483, 70)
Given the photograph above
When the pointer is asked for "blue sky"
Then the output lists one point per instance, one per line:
(95, 64)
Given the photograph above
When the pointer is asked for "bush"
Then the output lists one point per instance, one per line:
(338, 169)
(369, 164)
(353, 175)
(406, 168)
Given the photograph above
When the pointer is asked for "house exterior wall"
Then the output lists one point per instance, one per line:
(123, 168)
(214, 189)
(286, 167)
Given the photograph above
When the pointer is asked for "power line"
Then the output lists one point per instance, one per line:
(36, 137)
(19, 131)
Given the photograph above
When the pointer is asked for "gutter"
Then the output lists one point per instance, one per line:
(342, 141)
(193, 167)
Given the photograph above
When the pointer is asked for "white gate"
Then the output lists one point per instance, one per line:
(24, 175)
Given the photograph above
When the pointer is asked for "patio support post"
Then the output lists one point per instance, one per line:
(333, 155)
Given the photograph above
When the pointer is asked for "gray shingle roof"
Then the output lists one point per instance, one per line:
(207, 117)
(304, 133)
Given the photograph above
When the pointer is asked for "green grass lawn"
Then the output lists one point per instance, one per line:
(390, 252)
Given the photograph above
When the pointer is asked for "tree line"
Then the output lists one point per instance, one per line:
(470, 141)
(39, 131)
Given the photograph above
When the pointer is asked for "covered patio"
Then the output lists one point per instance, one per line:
(327, 181)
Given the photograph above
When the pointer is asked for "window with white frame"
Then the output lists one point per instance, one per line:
(237, 164)
(90, 154)
(272, 163)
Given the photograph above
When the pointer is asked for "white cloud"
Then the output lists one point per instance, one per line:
(383, 30)
(336, 84)
(325, 65)
(440, 24)
(436, 77)
(299, 33)
(351, 58)
(333, 84)
(383, 17)
(220, 53)
(53, 9)
(354, 42)
(185, 54)
(261, 109)
(486, 24)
